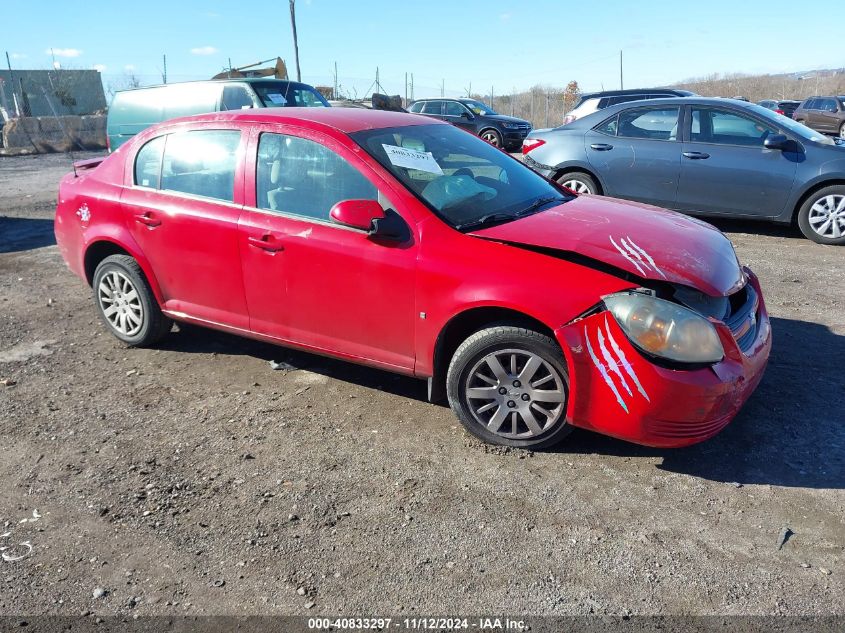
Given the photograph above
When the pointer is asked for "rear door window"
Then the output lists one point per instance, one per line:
(433, 107)
(659, 123)
(148, 163)
(201, 163)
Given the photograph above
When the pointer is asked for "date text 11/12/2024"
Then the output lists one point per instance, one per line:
(418, 623)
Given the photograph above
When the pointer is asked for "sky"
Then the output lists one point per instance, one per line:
(459, 45)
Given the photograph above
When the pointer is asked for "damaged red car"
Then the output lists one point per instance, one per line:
(396, 242)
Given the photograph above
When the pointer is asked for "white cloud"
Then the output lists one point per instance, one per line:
(100, 67)
(64, 52)
(129, 68)
(203, 50)
(18, 55)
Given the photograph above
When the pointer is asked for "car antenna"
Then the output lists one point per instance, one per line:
(64, 131)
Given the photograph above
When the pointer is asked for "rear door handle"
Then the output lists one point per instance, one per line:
(601, 147)
(148, 219)
(696, 155)
(266, 243)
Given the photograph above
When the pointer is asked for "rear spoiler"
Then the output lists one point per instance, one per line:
(91, 163)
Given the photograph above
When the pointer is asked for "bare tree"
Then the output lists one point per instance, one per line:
(295, 40)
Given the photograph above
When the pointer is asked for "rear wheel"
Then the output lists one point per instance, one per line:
(509, 385)
(579, 182)
(822, 216)
(126, 303)
(842, 131)
(493, 137)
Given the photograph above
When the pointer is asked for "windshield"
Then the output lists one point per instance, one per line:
(793, 126)
(477, 107)
(288, 94)
(464, 180)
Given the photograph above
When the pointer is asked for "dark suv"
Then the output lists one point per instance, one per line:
(823, 114)
(497, 129)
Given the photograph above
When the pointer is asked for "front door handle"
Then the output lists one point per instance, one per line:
(147, 219)
(601, 147)
(696, 155)
(266, 243)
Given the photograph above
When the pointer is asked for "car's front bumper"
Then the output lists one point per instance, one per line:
(515, 136)
(617, 391)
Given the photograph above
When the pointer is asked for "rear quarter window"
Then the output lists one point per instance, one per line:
(148, 163)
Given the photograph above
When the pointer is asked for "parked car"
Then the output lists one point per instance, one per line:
(497, 129)
(786, 108)
(137, 109)
(592, 101)
(823, 114)
(402, 243)
(714, 157)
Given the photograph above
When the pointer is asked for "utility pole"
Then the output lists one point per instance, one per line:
(406, 89)
(229, 71)
(295, 40)
(442, 88)
(412, 86)
(621, 83)
(334, 94)
(12, 82)
(164, 72)
(547, 110)
(491, 98)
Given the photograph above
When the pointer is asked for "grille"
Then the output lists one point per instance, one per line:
(744, 318)
(680, 429)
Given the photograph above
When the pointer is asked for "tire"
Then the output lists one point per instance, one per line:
(512, 418)
(842, 131)
(579, 182)
(822, 216)
(492, 136)
(126, 303)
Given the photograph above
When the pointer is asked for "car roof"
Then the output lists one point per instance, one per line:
(248, 80)
(346, 120)
(590, 119)
(637, 91)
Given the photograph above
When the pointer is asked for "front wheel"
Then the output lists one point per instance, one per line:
(493, 137)
(822, 216)
(126, 303)
(509, 385)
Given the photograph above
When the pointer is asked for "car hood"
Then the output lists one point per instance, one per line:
(645, 241)
(506, 119)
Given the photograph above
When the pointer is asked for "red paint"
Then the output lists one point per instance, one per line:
(335, 290)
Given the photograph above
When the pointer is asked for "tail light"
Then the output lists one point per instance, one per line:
(779, 111)
(569, 118)
(531, 144)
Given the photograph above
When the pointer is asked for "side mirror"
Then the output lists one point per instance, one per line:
(357, 214)
(777, 141)
(467, 115)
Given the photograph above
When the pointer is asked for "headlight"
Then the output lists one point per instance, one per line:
(665, 329)
(510, 126)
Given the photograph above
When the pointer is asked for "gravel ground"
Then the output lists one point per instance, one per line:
(193, 479)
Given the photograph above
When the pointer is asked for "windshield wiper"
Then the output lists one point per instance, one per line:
(486, 219)
(539, 202)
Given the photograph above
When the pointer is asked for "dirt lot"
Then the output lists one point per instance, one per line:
(194, 479)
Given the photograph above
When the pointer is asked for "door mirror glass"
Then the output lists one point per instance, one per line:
(357, 214)
(466, 115)
(776, 141)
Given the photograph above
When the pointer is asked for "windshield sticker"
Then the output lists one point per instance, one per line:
(276, 98)
(412, 159)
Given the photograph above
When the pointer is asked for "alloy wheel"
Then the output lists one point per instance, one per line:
(491, 137)
(827, 216)
(515, 394)
(578, 186)
(120, 303)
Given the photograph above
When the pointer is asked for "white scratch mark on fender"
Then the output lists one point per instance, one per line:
(612, 363)
(600, 366)
(647, 256)
(627, 256)
(624, 361)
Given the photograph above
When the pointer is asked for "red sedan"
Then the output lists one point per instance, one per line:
(401, 243)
